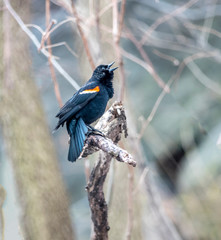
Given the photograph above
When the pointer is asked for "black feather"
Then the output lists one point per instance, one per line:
(77, 130)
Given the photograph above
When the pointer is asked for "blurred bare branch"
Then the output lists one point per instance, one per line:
(62, 44)
(172, 59)
(46, 34)
(36, 27)
(166, 18)
(70, 19)
(116, 31)
(154, 109)
(2, 219)
(176, 76)
(145, 57)
(37, 44)
(55, 44)
(202, 29)
(98, 30)
(83, 37)
(202, 78)
(66, 4)
(46, 37)
(130, 200)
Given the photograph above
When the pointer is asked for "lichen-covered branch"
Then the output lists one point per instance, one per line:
(97, 142)
(112, 125)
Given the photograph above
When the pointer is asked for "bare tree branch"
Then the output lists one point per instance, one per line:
(97, 142)
(2, 221)
(46, 37)
(166, 18)
(37, 44)
(116, 31)
(62, 44)
(112, 124)
(172, 59)
(130, 200)
(84, 39)
(183, 64)
(145, 57)
(46, 34)
(203, 29)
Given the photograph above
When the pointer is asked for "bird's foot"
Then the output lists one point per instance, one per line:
(92, 130)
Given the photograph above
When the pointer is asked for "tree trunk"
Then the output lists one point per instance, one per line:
(43, 200)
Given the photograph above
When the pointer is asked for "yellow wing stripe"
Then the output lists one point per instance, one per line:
(96, 89)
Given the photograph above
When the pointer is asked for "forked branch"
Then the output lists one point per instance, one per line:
(112, 124)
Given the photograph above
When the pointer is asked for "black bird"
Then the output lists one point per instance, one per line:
(85, 107)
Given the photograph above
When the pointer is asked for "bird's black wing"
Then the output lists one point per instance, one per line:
(77, 102)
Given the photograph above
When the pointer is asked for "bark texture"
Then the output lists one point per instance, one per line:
(112, 124)
(42, 196)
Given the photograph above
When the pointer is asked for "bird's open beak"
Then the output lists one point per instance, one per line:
(111, 69)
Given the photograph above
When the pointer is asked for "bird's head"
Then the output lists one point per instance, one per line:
(104, 72)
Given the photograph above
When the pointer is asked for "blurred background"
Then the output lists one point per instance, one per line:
(169, 81)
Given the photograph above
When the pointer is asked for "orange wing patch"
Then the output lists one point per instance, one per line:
(96, 89)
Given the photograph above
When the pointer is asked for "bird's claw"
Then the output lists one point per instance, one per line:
(92, 130)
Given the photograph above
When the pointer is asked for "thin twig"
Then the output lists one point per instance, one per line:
(64, 4)
(202, 78)
(92, 20)
(172, 59)
(208, 21)
(117, 29)
(154, 109)
(49, 33)
(185, 62)
(98, 30)
(166, 18)
(46, 33)
(165, 226)
(122, 13)
(62, 44)
(36, 27)
(53, 45)
(136, 60)
(2, 219)
(106, 8)
(46, 37)
(37, 44)
(83, 37)
(130, 203)
(203, 29)
(141, 180)
(7, 50)
(70, 19)
(145, 57)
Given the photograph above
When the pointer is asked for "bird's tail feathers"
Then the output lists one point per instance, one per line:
(77, 130)
(56, 128)
(62, 120)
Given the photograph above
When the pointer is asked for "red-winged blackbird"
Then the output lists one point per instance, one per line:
(86, 106)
